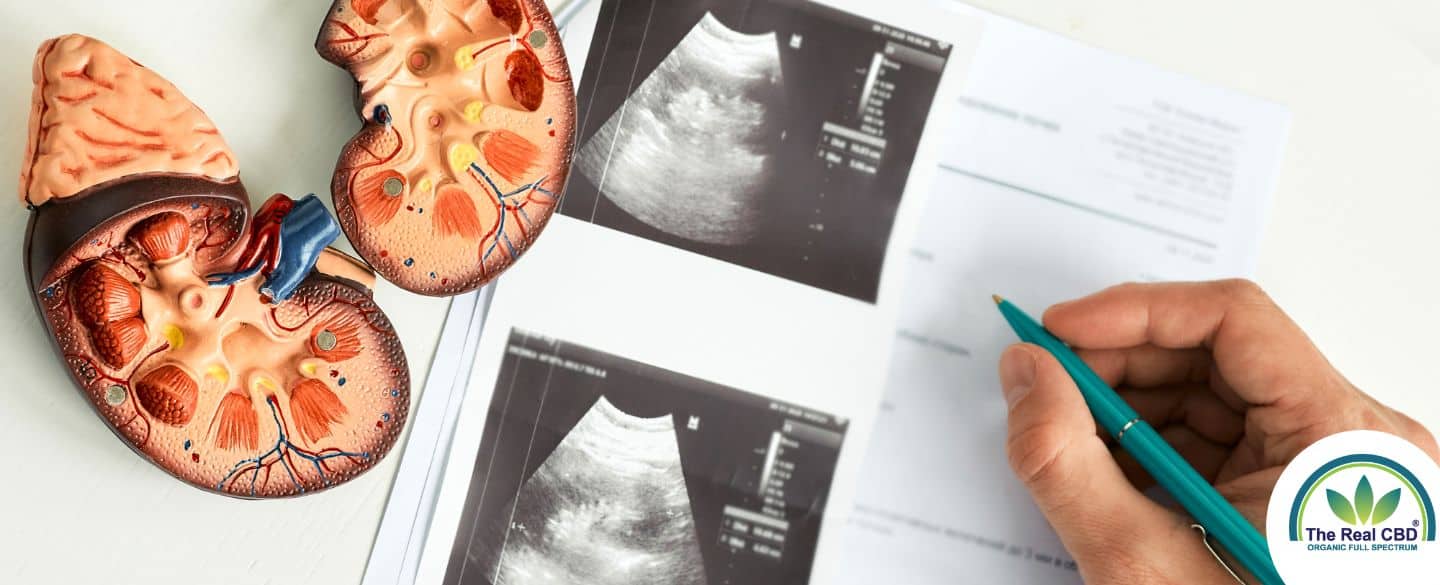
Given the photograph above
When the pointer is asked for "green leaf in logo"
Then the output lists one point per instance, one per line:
(1386, 506)
(1341, 507)
(1364, 500)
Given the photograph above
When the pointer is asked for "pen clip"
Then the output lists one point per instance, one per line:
(1205, 538)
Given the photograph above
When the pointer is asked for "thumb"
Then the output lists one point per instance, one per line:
(1054, 450)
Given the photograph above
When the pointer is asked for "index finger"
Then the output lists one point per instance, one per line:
(1259, 351)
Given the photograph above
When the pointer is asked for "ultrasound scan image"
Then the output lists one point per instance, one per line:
(600, 470)
(773, 134)
(716, 98)
(607, 507)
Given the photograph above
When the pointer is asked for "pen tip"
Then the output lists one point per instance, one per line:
(997, 298)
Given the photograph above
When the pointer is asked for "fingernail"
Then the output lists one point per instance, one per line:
(1055, 308)
(1017, 374)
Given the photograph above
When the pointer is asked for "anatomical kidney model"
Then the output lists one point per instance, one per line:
(240, 355)
(468, 126)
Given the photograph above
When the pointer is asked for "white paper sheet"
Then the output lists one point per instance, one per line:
(1133, 173)
(398, 544)
(1067, 169)
(809, 347)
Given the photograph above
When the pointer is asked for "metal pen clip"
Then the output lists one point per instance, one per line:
(1205, 538)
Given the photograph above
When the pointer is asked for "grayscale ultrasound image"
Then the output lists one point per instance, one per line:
(600, 470)
(716, 98)
(773, 134)
(607, 507)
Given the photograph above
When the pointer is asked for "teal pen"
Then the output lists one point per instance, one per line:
(1219, 519)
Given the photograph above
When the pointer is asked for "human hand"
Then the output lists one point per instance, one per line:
(1224, 376)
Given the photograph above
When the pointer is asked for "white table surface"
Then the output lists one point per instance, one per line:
(1352, 249)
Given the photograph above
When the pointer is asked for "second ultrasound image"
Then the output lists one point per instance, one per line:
(597, 469)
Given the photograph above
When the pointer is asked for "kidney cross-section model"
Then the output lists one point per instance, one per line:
(469, 118)
(240, 355)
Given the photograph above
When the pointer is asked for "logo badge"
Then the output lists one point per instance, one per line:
(1354, 505)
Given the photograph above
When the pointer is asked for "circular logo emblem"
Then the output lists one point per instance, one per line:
(1355, 505)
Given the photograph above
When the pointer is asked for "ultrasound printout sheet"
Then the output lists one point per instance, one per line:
(1066, 169)
(677, 383)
